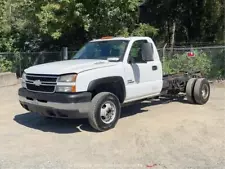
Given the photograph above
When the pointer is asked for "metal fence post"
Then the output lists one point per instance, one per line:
(20, 65)
(164, 51)
(65, 53)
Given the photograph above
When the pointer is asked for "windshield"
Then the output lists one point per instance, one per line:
(102, 50)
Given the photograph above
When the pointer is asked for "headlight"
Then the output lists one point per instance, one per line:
(24, 76)
(68, 78)
(23, 82)
(68, 89)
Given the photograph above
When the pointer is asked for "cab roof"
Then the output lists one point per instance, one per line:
(121, 38)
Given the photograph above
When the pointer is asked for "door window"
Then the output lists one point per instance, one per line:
(135, 52)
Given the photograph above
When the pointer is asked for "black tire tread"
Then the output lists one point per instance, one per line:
(197, 87)
(190, 90)
(95, 103)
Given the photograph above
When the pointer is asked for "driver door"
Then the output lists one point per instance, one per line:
(140, 75)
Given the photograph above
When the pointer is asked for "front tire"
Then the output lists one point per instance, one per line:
(105, 112)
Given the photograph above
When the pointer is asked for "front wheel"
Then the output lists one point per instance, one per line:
(105, 111)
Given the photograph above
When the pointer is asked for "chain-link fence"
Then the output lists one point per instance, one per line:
(17, 62)
(209, 60)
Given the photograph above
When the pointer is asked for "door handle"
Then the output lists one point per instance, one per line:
(154, 67)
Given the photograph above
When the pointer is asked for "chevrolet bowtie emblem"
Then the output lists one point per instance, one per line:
(37, 82)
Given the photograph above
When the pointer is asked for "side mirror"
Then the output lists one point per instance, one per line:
(147, 52)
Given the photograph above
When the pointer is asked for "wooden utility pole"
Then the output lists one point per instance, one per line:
(173, 36)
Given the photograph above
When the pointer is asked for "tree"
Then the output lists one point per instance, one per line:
(15, 24)
(88, 19)
(185, 21)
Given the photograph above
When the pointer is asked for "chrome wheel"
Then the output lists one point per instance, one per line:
(108, 112)
(201, 91)
(205, 91)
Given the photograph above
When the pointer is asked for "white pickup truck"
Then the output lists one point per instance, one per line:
(104, 75)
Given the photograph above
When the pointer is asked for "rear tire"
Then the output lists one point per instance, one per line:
(106, 111)
(201, 91)
(190, 90)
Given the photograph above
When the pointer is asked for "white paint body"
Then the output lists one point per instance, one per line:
(139, 78)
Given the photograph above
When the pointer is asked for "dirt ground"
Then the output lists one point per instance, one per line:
(158, 135)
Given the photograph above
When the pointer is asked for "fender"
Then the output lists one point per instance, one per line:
(118, 80)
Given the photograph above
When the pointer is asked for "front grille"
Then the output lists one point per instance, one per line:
(46, 83)
(41, 78)
(40, 88)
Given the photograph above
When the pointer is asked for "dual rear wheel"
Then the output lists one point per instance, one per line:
(198, 91)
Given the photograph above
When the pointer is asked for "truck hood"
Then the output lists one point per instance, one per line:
(68, 66)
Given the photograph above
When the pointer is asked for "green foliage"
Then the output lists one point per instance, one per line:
(29, 25)
(218, 66)
(145, 30)
(196, 20)
(96, 18)
(140, 30)
(5, 65)
(14, 20)
(52, 24)
(211, 67)
(124, 32)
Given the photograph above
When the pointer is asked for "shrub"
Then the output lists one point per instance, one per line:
(218, 66)
(5, 65)
(180, 62)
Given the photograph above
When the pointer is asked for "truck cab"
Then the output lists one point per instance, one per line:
(102, 76)
(143, 75)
